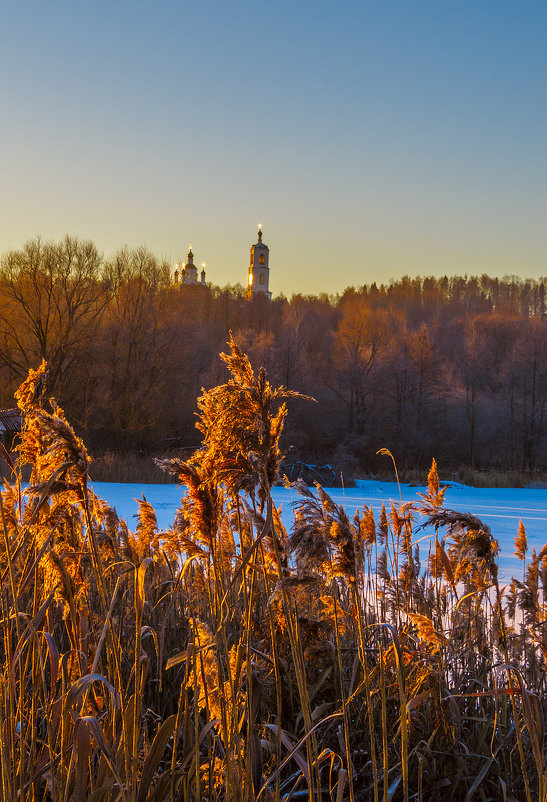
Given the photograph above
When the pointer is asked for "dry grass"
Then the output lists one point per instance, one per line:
(493, 478)
(467, 476)
(226, 659)
(112, 467)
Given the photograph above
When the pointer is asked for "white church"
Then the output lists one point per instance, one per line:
(258, 275)
(258, 279)
(189, 273)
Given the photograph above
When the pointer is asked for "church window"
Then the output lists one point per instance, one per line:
(262, 278)
(261, 259)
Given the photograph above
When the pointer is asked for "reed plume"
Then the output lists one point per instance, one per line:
(521, 543)
(473, 547)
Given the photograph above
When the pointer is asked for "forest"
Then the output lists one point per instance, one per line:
(453, 367)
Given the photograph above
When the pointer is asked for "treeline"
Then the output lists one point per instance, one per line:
(453, 368)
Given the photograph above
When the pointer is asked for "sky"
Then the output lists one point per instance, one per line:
(370, 139)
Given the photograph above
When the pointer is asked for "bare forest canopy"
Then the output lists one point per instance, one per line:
(451, 367)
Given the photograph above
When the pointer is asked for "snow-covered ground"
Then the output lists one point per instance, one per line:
(500, 508)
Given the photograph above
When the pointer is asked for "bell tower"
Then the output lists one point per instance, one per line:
(259, 268)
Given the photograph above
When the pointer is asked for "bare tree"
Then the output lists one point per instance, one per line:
(51, 297)
(133, 353)
(361, 338)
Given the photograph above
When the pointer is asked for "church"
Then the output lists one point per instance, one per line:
(258, 274)
(189, 272)
(258, 279)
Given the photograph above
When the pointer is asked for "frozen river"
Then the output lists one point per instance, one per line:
(500, 508)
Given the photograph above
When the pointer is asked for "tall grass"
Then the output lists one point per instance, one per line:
(227, 659)
(131, 468)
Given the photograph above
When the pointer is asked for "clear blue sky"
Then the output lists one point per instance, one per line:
(371, 139)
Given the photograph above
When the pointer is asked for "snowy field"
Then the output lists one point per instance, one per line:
(500, 508)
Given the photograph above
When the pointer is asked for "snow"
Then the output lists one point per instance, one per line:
(500, 508)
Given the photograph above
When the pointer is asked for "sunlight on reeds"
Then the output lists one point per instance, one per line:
(227, 659)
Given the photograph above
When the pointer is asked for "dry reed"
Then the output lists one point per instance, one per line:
(226, 659)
